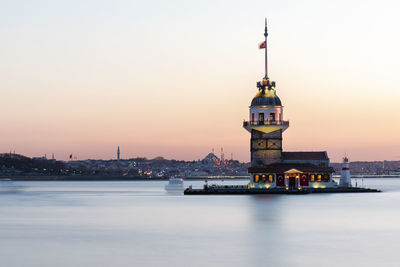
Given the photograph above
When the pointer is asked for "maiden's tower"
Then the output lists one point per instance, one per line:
(270, 166)
(273, 171)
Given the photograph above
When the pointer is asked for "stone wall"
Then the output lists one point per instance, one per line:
(266, 148)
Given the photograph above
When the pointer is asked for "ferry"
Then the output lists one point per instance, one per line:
(174, 185)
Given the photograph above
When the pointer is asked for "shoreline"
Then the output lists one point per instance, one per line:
(124, 178)
(114, 178)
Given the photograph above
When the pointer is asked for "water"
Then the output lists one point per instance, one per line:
(139, 224)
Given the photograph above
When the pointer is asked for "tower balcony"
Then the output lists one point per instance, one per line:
(266, 126)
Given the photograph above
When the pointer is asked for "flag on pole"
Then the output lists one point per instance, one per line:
(70, 156)
(261, 45)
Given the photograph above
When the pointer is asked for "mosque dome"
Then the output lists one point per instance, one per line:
(268, 98)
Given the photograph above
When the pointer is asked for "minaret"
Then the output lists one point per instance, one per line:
(266, 122)
(118, 153)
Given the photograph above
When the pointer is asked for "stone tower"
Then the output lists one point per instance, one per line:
(266, 122)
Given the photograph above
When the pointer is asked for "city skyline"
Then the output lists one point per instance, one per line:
(175, 80)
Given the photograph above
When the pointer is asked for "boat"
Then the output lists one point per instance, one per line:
(175, 185)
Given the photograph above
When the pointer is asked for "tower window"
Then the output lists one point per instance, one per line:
(261, 118)
(252, 117)
(272, 116)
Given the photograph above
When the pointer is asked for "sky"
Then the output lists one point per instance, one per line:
(176, 78)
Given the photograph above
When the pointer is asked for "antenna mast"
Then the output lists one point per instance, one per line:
(266, 54)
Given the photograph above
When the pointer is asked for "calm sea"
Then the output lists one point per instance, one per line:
(140, 224)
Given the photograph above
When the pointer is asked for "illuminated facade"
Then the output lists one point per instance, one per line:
(270, 166)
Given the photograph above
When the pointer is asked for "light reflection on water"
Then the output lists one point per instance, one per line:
(139, 224)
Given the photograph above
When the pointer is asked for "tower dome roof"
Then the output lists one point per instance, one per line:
(268, 98)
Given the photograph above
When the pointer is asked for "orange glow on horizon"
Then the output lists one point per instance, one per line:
(141, 78)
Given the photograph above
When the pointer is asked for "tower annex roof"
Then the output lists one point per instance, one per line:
(305, 155)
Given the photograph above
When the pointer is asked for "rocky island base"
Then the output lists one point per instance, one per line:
(244, 190)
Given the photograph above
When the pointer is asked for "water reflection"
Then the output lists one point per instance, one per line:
(174, 190)
(266, 237)
(264, 208)
(7, 186)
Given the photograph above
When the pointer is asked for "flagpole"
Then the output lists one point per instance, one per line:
(266, 54)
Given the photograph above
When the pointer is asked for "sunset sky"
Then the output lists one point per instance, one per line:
(176, 78)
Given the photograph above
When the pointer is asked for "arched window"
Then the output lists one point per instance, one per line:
(270, 178)
(326, 177)
(319, 177)
(252, 117)
(312, 178)
(256, 178)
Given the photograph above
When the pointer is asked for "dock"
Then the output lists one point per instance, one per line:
(243, 190)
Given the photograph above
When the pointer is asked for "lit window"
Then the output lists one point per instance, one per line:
(270, 178)
(256, 178)
(326, 178)
(312, 178)
(319, 177)
(264, 178)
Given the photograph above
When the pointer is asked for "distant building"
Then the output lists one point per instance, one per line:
(118, 153)
(211, 157)
(40, 158)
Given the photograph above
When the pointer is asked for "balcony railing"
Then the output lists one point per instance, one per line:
(265, 122)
